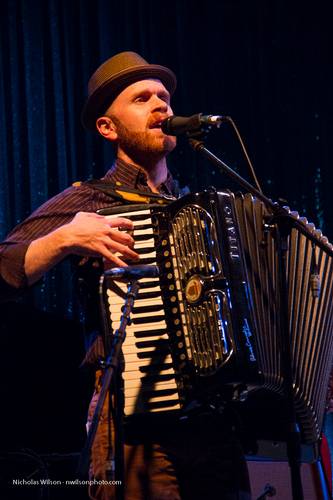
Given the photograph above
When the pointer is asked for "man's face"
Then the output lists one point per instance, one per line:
(137, 113)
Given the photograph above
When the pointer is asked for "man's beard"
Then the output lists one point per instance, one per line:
(143, 146)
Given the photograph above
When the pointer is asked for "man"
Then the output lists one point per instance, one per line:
(127, 101)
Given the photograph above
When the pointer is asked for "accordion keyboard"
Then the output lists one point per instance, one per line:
(149, 376)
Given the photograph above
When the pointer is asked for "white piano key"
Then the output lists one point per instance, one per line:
(117, 302)
(147, 327)
(130, 408)
(116, 316)
(130, 347)
(116, 309)
(133, 393)
(150, 255)
(154, 289)
(132, 330)
(131, 339)
(127, 215)
(152, 280)
(136, 384)
(168, 398)
(134, 375)
(159, 315)
(140, 232)
(123, 286)
(147, 301)
(115, 299)
(132, 360)
(151, 314)
(147, 242)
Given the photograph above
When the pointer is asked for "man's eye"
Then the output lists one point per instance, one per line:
(141, 98)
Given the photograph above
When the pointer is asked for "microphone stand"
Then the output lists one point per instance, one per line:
(284, 222)
(112, 385)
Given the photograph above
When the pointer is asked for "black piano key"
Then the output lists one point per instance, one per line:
(148, 284)
(153, 405)
(154, 367)
(152, 343)
(150, 393)
(158, 352)
(150, 333)
(142, 237)
(147, 260)
(144, 250)
(148, 295)
(142, 227)
(149, 319)
(138, 217)
(155, 379)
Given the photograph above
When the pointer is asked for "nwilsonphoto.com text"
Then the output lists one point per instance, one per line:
(67, 482)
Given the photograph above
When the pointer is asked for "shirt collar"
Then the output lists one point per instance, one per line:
(135, 177)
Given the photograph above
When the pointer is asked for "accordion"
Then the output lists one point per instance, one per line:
(210, 323)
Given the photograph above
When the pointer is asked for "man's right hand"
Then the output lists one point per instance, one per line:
(93, 235)
(89, 235)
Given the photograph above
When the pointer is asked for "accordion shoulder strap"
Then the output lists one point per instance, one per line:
(125, 194)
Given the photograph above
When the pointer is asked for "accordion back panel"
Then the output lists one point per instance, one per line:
(310, 311)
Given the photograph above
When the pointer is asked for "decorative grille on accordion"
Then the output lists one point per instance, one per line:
(219, 287)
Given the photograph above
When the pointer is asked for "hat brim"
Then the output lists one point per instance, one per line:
(110, 88)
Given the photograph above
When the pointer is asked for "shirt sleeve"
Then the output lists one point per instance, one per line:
(54, 213)
(12, 276)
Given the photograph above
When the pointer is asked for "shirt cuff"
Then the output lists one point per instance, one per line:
(12, 274)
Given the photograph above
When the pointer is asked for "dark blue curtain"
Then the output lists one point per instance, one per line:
(267, 64)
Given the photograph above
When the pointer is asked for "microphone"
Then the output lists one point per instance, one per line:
(177, 125)
(133, 272)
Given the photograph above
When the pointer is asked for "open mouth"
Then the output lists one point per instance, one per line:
(156, 124)
(157, 120)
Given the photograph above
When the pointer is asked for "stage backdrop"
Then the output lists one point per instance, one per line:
(266, 64)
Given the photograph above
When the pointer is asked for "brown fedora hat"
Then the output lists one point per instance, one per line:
(115, 75)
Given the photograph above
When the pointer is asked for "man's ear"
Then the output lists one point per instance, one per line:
(106, 128)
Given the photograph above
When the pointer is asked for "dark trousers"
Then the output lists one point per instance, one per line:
(191, 459)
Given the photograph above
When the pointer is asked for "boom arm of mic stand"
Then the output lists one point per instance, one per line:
(280, 213)
(199, 146)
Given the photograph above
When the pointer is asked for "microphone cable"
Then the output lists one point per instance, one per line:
(252, 172)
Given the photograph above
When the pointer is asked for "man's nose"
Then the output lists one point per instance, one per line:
(160, 105)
